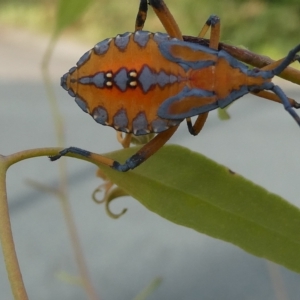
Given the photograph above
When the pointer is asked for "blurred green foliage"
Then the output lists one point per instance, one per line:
(266, 26)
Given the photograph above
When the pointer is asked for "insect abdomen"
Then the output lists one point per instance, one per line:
(122, 81)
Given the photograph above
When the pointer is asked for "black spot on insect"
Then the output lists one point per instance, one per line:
(132, 78)
(108, 77)
(132, 83)
(109, 84)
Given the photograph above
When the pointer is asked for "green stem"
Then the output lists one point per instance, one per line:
(6, 238)
(26, 154)
(12, 265)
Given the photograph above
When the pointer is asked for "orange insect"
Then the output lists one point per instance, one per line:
(146, 82)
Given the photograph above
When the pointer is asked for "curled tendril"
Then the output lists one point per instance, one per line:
(110, 193)
(113, 194)
(94, 195)
(124, 140)
(103, 187)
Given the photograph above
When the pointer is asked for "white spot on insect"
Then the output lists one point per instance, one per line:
(133, 83)
(133, 74)
(109, 83)
(109, 75)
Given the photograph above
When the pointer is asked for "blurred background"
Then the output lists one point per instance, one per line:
(260, 25)
(260, 142)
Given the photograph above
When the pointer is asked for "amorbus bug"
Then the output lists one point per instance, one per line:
(146, 82)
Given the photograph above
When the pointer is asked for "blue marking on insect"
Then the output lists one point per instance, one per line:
(163, 110)
(258, 73)
(160, 37)
(98, 80)
(100, 115)
(146, 78)
(85, 80)
(141, 37)
(122, 40)
(72, 70)
(82, 104)
(159, 125)
(162, 78)
(84, 58)
(140, 124)
(71, 92)
(121, 79)
(234, 95)
(233, 62)
(102, 47)
(120, 120)
(63, 81)
(165, 50)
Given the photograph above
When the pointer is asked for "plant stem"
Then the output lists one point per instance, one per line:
(6, 238)
(12, 266)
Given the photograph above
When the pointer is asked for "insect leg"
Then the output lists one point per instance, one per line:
(285, 101)
(142, 15)
(166, 18)
(143, 154)
(213, 22)
(273, 97)
(291, 57)
(197, 127)
(276, 63)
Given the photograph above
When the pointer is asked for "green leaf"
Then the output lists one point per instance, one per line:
(192, 190)
(68, 11)
(223, 114)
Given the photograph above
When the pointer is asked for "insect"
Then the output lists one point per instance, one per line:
(144, 82)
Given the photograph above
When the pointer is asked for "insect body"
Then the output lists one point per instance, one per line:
(146, 82)
(122, 82)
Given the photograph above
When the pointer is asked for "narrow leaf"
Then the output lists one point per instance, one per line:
(192, 190)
